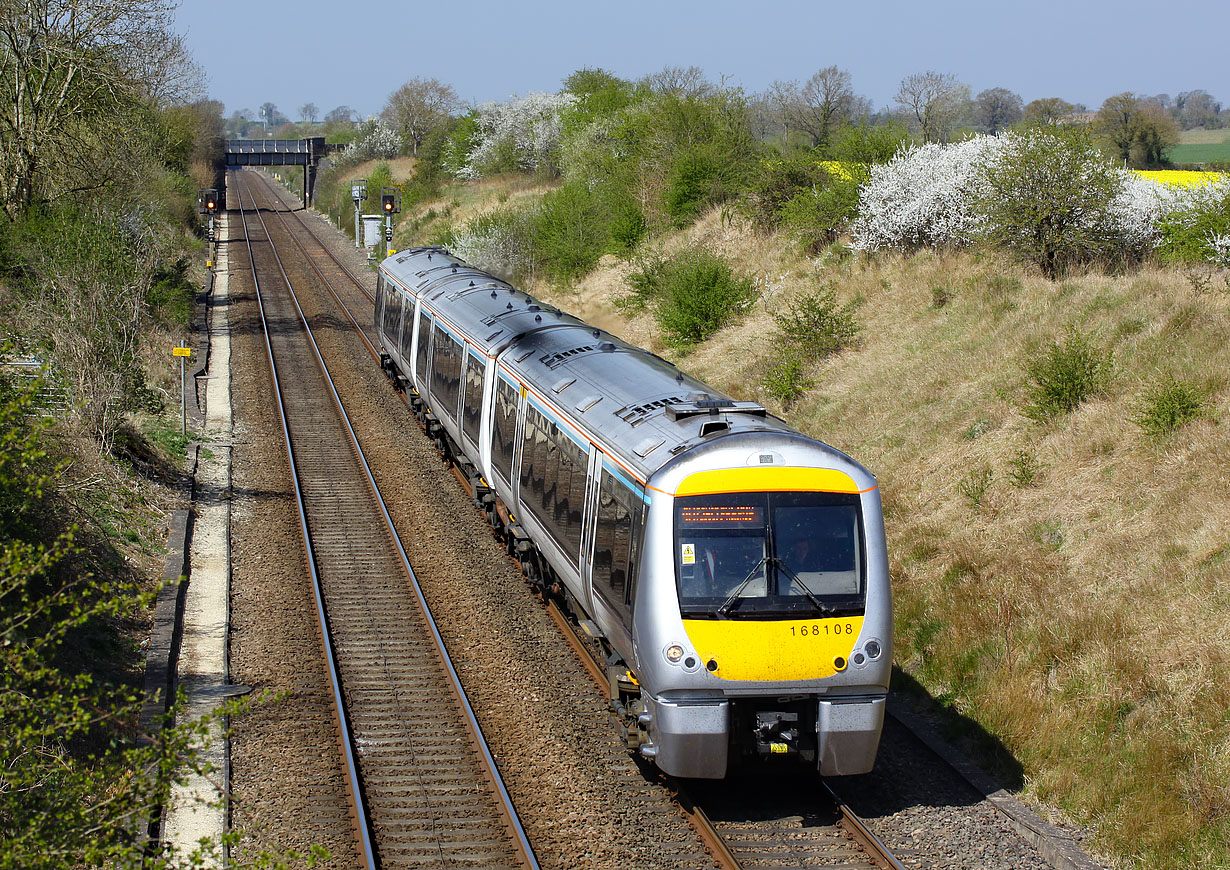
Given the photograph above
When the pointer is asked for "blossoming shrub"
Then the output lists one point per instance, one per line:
(1051, 199)
(523, 133)
(1048, 197)
(376, 141)
(499, 241)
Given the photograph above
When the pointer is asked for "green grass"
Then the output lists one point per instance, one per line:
(1206, 153)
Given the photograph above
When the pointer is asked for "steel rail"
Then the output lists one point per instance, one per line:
(490, 766)
(273, 189)
(862, 834)
(714, 843)
(352, 770)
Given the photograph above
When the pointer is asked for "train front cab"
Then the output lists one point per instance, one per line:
(772, 634)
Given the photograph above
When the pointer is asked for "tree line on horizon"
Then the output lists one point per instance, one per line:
(935, 107)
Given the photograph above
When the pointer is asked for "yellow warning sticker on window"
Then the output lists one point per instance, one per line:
(689, 554)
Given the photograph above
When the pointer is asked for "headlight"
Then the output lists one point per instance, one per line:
(674, 653)
(873, 649)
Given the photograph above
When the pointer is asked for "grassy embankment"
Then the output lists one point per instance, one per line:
(1062, 583)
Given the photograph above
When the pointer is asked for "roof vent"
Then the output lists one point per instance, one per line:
(712, 427)
(649, 445)
(712, 407)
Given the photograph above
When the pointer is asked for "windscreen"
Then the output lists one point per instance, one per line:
(765, 554)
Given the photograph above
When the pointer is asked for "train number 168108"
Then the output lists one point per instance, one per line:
(826, 628)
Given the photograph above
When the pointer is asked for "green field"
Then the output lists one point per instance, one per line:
(1207, 153)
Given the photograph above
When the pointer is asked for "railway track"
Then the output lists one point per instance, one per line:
(825, 832)
(759, 822)
(424, 787)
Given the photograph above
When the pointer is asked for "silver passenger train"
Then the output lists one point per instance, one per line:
(734, 569)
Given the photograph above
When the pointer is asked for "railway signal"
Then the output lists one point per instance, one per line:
(390, 203)
(358, 193)
(207, 204)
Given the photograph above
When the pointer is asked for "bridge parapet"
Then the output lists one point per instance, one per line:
(280, 152)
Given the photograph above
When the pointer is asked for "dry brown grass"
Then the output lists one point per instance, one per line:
(1081, 618)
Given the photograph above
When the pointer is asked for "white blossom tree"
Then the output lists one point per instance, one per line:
(527, 128)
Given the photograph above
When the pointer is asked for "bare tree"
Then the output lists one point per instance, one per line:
(309, 113)
(418, 107)
(340, 115)
(1047, 110)
(934, 101)
(825, 100)
(997, 109)
(689, 83)
(71, 73)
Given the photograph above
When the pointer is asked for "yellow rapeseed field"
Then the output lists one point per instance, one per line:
(1180, 177)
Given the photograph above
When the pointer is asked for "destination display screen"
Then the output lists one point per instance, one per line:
(736, 516)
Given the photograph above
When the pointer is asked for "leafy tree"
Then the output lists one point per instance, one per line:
(1046, 195)
(418, 107)
(934, 101)
(869, 143)
(1139, 131)
(997, 109)
(78, 79)
(1197, 109)
(1047, 110)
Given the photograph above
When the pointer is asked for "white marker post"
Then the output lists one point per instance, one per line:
(182, 353)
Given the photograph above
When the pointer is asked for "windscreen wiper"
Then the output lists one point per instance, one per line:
(734, 596)
(797, 580)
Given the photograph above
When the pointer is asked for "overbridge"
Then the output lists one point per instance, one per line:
(281, 152)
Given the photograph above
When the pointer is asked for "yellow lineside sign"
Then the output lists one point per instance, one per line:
(181, 351)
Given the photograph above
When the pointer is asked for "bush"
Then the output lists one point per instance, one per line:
(1052, 200)
(171, 293)
(570, 231)
(817, 216)
(818, 325)
(1062, 376)
(869, 143)
(1167, 406)
(786, 380)
(693, 295)
(1200, 216)
(501, 242)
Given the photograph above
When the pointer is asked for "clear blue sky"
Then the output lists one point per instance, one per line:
(1081, 50)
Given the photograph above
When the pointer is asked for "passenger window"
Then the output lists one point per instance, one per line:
(504, 432)
(420, 363)
(472, 412)
(445, 371)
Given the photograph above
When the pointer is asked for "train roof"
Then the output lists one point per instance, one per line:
(645, 409)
